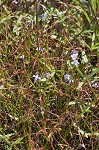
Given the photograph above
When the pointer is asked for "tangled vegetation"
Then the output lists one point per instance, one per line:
(49, 74)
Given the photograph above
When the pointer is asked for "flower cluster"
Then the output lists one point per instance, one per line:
(47, 75)
(74, 56)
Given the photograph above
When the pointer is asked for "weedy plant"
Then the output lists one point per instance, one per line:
(49, 83)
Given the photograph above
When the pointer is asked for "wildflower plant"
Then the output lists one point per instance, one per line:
(48, 99)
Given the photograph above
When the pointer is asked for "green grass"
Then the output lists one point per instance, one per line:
(40, 108)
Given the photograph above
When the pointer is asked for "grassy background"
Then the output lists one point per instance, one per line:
(39, 109)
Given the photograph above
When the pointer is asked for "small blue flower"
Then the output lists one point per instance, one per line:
(68, 78)
(95, 85)
(14, 1)
(39, 49)
(43, 16)
(74, 54)
(69, 81)
(75, 63)
(48, 75)
(36, 77)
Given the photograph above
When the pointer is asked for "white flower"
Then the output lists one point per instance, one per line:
(22, 57)
(82, 145)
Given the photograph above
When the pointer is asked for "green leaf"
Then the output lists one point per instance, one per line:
(95, 46)
(80, 85)
(18, 141)
(96, 70)
(84, 57)
(6, 136)
(80, 72)
(82, 9)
